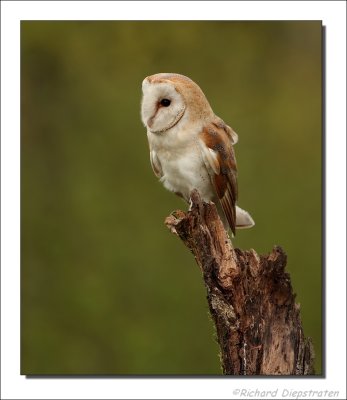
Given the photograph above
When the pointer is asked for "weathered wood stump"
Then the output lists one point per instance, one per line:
(250, 298)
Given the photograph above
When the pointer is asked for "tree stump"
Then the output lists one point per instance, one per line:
(250, 298)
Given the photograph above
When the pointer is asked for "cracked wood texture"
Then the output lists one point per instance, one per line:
(250, 298)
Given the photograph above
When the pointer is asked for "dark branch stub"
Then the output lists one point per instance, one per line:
(250, 298)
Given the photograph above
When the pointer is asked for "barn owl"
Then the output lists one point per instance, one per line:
(190, 147)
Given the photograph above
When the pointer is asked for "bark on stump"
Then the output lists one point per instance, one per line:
(250, 298)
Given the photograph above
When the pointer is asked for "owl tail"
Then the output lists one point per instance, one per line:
(243, 219)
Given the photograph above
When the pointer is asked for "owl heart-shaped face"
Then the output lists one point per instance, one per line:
(162, 105)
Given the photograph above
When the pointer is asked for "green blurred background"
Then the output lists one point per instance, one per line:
(106, 289)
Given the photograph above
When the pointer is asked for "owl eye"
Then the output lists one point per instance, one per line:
(165, 102)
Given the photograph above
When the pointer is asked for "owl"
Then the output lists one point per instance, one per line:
(190, 147)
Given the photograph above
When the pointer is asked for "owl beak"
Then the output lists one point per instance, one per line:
(150, 122)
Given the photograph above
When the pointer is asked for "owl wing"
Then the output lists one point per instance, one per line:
(155, 163)
(216, 142)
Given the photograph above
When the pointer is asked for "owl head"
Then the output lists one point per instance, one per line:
(167, 98)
